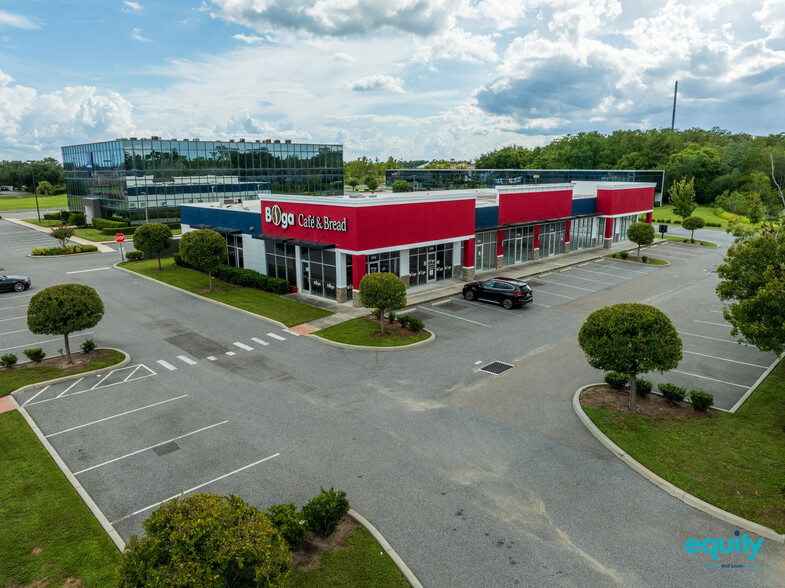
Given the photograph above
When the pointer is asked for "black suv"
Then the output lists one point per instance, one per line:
(508, 292)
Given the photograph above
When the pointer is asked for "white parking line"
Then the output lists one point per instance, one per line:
(604, 274)
(259, 341)
(167, 365)
(97, 269)
(568, 286)
(712, 379)
(554, 294)
(39, 342)
(242, 346)
(17, 306)
(460, 318)
(726, 325)
(101, 384)
(574, 277)
(617, 266)
(278, 337)
(36, 394)
(186, 492)
(69, 387)
(148, 448)
(538, 304)
(187, 360)
(114, 416)
(712, 338)
(765, 367)
(16, 318)
(12, 332)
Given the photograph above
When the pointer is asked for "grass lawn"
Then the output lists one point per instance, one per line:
(733, 461)
(681, 240)
(358, 561)
(363, 331)
(47, 534)
(89, 233)
(664, 213)
(30, 373)
(13, 203)
(286, 311)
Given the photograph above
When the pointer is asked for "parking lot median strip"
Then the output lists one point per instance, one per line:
(185, 492)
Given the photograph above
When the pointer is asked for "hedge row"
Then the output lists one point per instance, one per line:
(61, 251)
(244, 277)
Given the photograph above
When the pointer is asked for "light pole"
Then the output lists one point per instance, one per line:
(35, 192)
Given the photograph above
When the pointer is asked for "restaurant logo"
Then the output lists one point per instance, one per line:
(285, 220)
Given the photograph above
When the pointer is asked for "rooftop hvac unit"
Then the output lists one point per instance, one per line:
(227, 201)
(242, 140)
(155, 138)
(277, 141)
(195, 139)
(288, 141)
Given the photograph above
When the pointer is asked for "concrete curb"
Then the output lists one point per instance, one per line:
(674, 491)
(399, 563)
(126, 360)
(81, 241)
(430, 339)
(100, 517)
(227, 306)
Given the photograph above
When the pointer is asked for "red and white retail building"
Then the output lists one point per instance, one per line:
(325, 245)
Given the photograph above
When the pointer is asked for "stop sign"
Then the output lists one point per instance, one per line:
(119, 237)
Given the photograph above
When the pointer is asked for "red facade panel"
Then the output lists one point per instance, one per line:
(627, 200)
(532, 206)
(369, 227)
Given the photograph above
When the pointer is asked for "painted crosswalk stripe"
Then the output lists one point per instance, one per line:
(187, 360)
(259, 341)
(167, 365)
(278, 337)
(211, 358)
(242, 346)
(230, 353)
(291, 332)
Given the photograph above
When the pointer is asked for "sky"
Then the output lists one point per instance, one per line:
(412, 79)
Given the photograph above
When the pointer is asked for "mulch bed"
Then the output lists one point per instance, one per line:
(309, 554)
(394, 328)
(60, 361)
(652, 405)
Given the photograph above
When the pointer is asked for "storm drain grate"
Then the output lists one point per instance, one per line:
(497, 367)
(166, 448)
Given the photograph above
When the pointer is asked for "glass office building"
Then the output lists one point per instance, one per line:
(145, 180)
(457, 179)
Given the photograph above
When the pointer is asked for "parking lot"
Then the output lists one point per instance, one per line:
(712, 361)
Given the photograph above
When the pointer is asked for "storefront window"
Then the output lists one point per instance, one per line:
(518, 245)
(430, 264)
(485, 250)
(552, 239)
(281, 262)
(620, 226)
(234, 250)
(582, 233)
(318, 270)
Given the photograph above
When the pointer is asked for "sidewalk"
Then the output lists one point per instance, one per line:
(422, 294)
(78, 240)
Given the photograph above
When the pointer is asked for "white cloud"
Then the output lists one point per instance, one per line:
(129, 7)
(378, 83)
(344, 58)
(772, 17)
(249, 39)
(456, 44)
(137, 34)
(18, 21)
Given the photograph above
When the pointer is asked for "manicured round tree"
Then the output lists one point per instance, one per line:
(372, 182)
(630, 339)
(205, 540)
(641, 234)
(691, 223)
(153, 238)
(384, 291)
(401, 186)
(353, 182)
(62, 233)
(64, 309)
(203, 250)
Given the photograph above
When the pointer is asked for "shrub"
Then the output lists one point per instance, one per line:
(88, 345)
(391, 317)
(616, 380)
(624, 255)
(403, 320)
(701, 400)
(105, 223)
(63, 215)
(324, 511)
(289, 523)
(416, 324)
(643, 387)
(51, 215)
(672, 393)
(36, 355)
(114, 230)
(77, 218)
(686, 240)
(644, 258)
(134, 255)
(657, 204)
(8, 360)
(247, 277)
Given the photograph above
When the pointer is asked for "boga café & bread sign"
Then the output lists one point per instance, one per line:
(285, 220)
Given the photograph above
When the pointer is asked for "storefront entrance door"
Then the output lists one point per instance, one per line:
(431, 268)
(306, 277)
(373, 267)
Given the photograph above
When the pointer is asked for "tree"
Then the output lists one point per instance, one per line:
(753, 281)
(64, 309)
(630, 339)
(682, 196)
(62, 233)
(353, 182)
(691, 223)
(401, 186)
(384, 291)
(699, 162)
(640, 233)
(203, 250)
(371, 182)
(205, 540)
(153, 238)
(45, 188)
